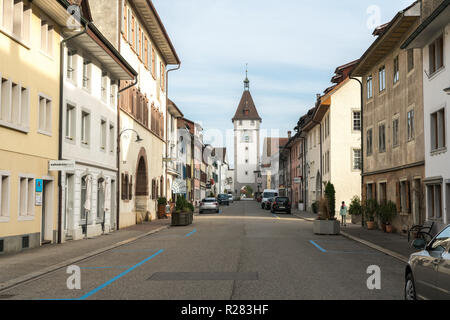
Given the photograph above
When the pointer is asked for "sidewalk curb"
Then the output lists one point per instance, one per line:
(377, 247)
(367, 243)
(31, 276)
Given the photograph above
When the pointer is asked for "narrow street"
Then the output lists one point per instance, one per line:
(243, 253)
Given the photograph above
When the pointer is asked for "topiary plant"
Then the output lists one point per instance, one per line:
(330, 194)
(355, 208)
(162, 201)
(370, 209)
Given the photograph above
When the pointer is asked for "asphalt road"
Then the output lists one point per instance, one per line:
(243, 253)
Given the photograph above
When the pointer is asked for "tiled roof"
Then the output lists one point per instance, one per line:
(246, 109)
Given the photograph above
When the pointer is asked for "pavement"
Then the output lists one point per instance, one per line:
(32, 263)
(243, 253)
(393, 244)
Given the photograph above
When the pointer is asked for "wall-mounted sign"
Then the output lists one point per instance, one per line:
(38, 201)
(61, 165)
(39, 185)
(297, 180)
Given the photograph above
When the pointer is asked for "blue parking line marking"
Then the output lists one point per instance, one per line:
(191, 233)
(89, 294)
(317, 246)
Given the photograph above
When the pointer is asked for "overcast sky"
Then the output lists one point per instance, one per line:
(292, 48)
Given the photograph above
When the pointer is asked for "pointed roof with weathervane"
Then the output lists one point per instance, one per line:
(246, 109)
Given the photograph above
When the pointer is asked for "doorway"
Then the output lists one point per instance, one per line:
(47, 213)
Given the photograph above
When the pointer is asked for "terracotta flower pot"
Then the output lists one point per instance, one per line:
(371, 225)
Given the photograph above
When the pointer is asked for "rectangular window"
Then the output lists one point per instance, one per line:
(87, 68)
(369, 142)
(382, 138)
(85, 128)
(113, 94)
(4, 196)
(15, 17)
(105, 81)
(356, 159)
(410, 128)
(112, 138)
(71, 65)
(103, 135)
(26, 196)
(46, 37)
(436, 54)
(410, 54)
(45, 115)
(369, 87)
(14, 105)
(395, 141)
(382, 78)
(438, 130)
(356, 120)
(153, 63)
(396, 70)
(70, 122)
(434, 201)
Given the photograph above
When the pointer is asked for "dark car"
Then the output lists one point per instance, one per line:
(268, 204)
(223, 200)
(281, 204)
(427, 274)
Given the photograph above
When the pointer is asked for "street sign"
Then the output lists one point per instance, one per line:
(61, 165)
(297, 180)
(38, 201)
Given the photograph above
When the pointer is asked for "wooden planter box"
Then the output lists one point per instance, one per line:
(182, 219)
(327, 227)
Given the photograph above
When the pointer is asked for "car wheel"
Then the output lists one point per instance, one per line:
(272, 211)
(200, 212)
(410, 288)
(289, 212)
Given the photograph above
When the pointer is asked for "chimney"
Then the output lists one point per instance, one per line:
(289, 134)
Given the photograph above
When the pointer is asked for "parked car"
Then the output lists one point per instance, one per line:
(281, 204)
(223, 200)
(268, 204)
(209, 204)
(230, 198)
(268, 193)
(427, 274)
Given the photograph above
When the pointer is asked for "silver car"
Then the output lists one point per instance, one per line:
(428, 272)
(230, 198)
(209, 204)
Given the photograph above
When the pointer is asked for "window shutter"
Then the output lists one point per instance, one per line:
(130, 189)
(153, 62)
(408, 197)
(124, 187)
(133, 31)
(397, 193)
(125, 21)
(374, 188)
(145, 58)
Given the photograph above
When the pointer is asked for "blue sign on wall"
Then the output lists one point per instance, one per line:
(39, 185)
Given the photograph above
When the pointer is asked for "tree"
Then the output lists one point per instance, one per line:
(330, 194)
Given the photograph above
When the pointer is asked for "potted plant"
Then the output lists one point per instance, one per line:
(326, 223)
(355, 209)
(389, 214)
(370, 210)
(162, 203)
(184, 212)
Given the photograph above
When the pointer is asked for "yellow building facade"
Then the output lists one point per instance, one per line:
(29, 125)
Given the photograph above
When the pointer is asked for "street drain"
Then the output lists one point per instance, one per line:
(204, 276)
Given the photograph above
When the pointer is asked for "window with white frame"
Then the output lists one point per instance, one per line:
(356, 159)
(15, 18)
(4, 195)
(45, 115)
(436, 54)
(103, 135)
(356, 120)
(46, 36)
(105, 81)
(113, 94)
(410, 121)
(369, 87)
(71, 65)
(26, 196)
(434, 201)
(87, 68)
(85, 128)
(382, 78)
(70, 122)
(112, 138)
(14, 105)
(438, 130)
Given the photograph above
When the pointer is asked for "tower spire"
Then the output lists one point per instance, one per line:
(246, 81)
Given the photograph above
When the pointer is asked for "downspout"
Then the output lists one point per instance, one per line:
(321, 160)
(167, 118)
(119, 182)
(362, 139)
(303, 173)
(61, 108)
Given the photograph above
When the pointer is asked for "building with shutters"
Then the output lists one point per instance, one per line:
(393, 123)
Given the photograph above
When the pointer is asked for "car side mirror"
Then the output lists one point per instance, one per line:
(419, 244)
